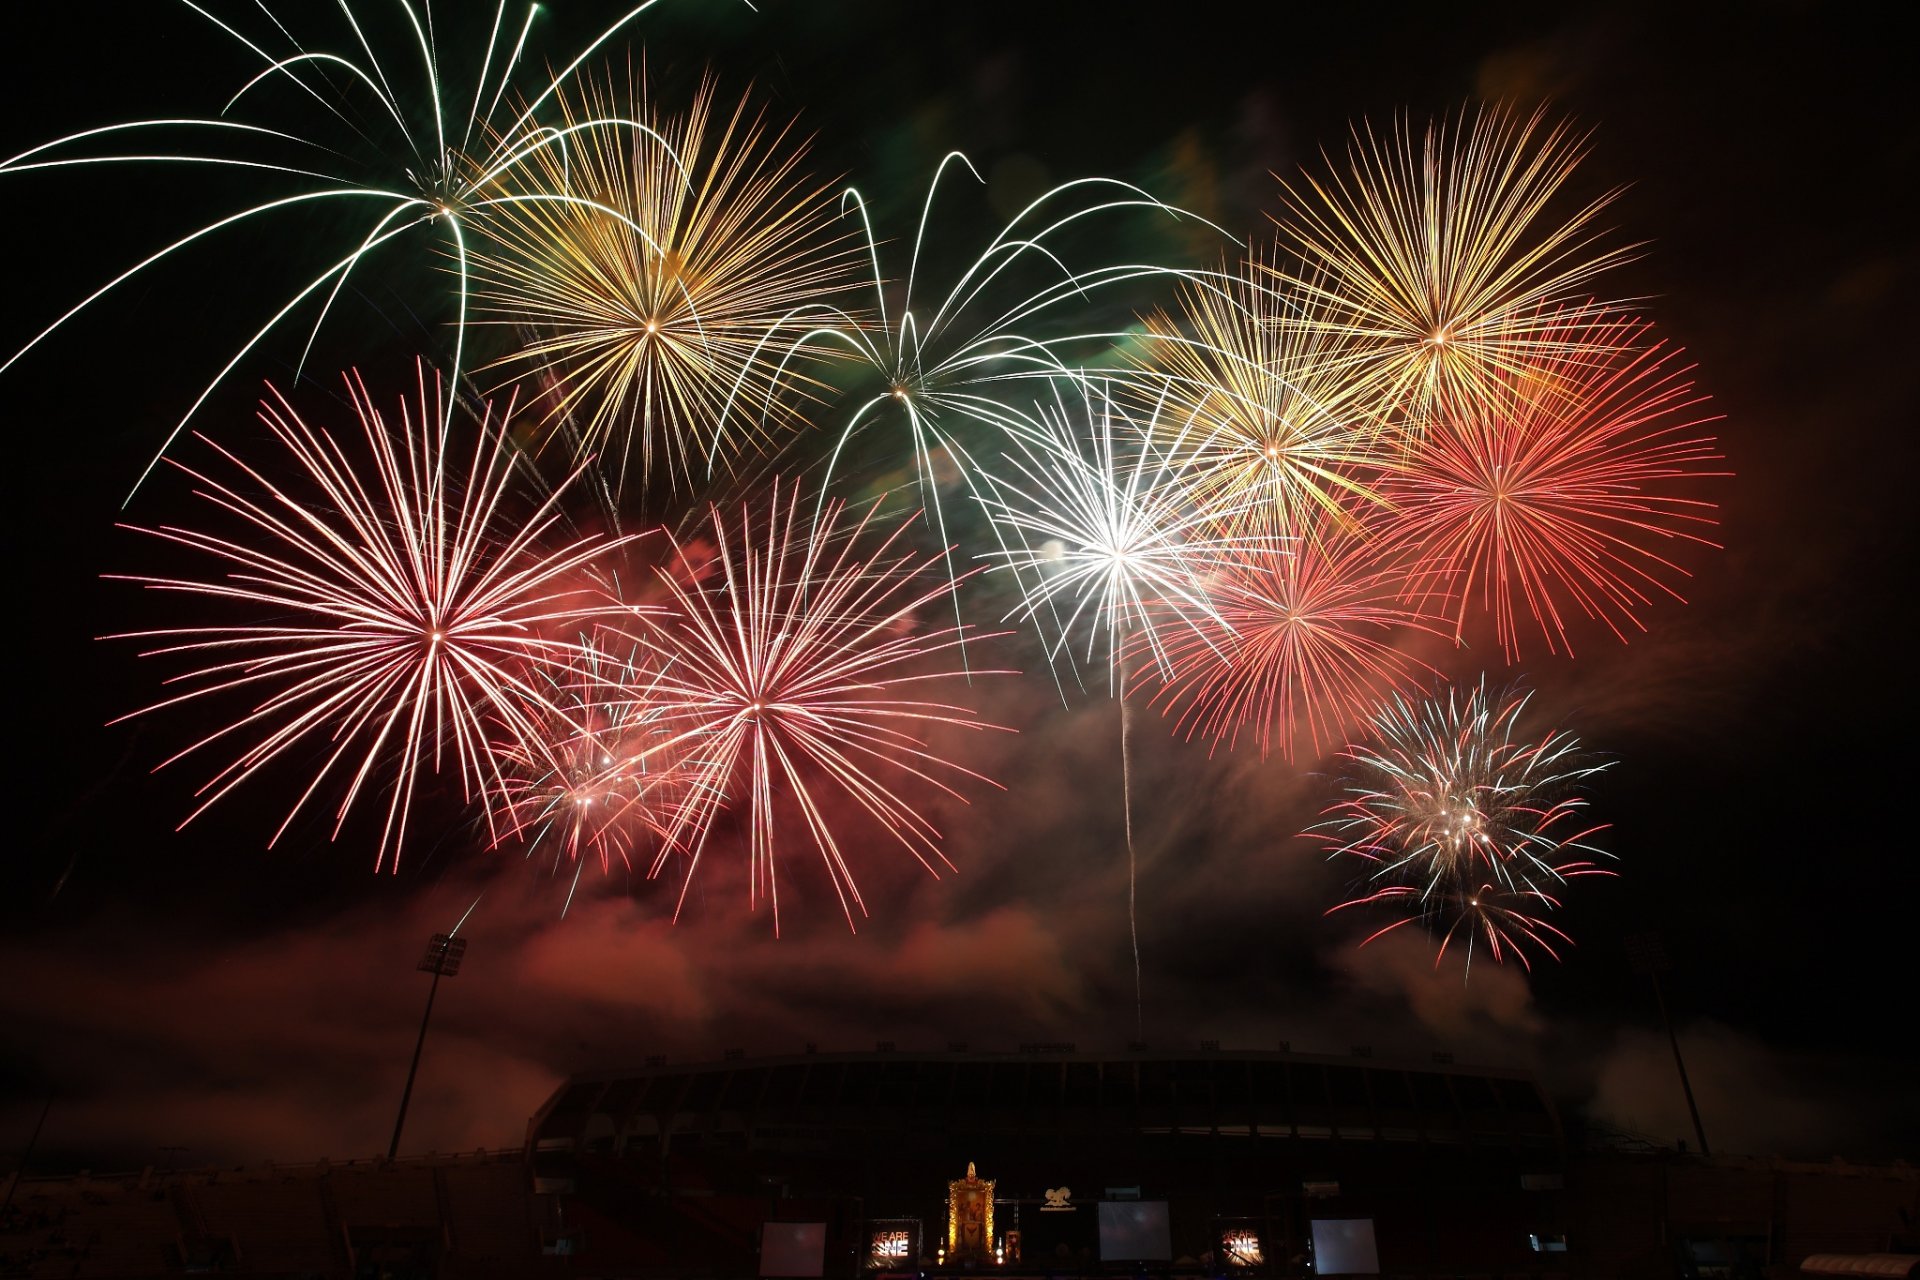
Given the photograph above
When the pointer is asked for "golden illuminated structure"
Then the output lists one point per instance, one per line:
(970, 1216)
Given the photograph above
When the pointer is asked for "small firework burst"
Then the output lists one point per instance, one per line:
(1492, 916)
(596, 782)
(1462, 821)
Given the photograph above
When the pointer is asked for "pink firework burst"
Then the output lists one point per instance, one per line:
(791, 667)
(1504, 921)
(391, 609)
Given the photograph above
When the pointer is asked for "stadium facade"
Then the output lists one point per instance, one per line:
(1456, 1167)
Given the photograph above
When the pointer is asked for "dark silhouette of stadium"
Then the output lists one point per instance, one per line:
(1141, 1163)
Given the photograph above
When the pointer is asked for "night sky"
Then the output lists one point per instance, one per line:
(196, 990)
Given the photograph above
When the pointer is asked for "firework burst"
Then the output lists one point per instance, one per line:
(324, 120)
(1441, 259)
(596, 782)
(791, 666)
(1463, 822)
(1099, 526)
(1260, 405)
(389, 614)
(1308, 638)
(1491, 916)
(650, 323)
(1551, 493)
(936, 368)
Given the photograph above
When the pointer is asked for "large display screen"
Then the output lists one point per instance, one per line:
(1344, 1247)
(1135, 1231)
(792, 1248)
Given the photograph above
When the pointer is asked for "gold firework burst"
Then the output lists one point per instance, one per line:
(1258, 405)
(1442, 255)
(677, 281)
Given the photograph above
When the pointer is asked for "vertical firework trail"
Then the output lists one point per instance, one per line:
(1126, 820)
(1099, 523)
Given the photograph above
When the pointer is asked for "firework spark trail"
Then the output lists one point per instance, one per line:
(1133, 880)
(1550, 492)
(431, 180)
(1501, 917)
(801, 668)
(399, 617)
(1453, 810)
(1103, 529)
(646, 338)
(1311, 637)
(1261, 405)
(1441, 257)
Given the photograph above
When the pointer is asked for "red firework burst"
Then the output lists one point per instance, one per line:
(597, 782)
(1501, 919)
(1551, 492)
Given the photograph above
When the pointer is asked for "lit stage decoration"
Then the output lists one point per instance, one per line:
(1242, 1248)
(969, 1216)
(892, 1244)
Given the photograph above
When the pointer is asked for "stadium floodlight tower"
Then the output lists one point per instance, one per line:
(442, 961)
(1648, 956)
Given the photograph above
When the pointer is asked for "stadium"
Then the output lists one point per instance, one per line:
(1044, 1161)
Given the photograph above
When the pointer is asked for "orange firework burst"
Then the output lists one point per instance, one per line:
(1550, 491)
(665, 289)
(391, 612)
(1441, 258)
(789, 664)
(1304, 638)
